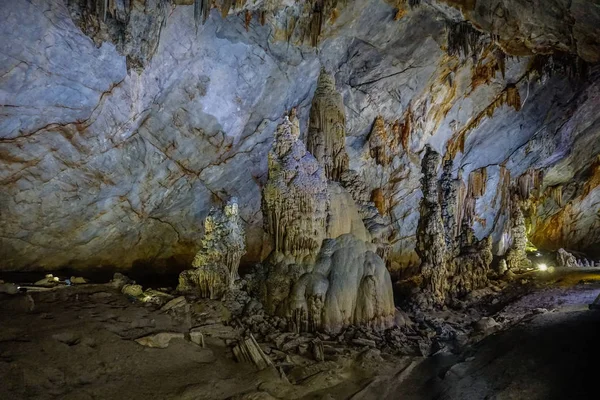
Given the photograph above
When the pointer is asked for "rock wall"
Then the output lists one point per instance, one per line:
(101, 134)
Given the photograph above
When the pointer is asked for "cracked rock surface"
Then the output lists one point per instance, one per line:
(113, 156)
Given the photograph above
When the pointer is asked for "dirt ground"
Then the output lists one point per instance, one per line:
(78, 342)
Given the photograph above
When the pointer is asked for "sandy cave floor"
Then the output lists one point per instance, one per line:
(77, 342)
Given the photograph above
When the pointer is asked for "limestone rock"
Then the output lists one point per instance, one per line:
(9, 288)
(566, 259)
(216, 263)
(132, 290)
(295, 198)
(349, 285)
(516, 256)
(119, 281)
(248, 350)
(159, 340)
(78, 280)
(326, 138)
(431, 246)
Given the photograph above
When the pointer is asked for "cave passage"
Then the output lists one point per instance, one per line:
(299, 199)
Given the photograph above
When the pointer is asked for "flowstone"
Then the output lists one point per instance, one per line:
(349, 285)
(216, 263)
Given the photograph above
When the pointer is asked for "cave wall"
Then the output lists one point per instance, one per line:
(108, 165)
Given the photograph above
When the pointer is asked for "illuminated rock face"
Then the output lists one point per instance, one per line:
(216, 263)
(116, 143)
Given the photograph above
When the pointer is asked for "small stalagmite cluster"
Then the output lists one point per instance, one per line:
(216, 263)
(326, 138)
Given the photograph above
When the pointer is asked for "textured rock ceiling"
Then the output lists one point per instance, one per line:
(115, 145)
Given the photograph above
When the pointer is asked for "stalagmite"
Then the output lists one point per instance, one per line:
(216, 263)
(431, 246)
(346, 283)
(516, 256)
(326, 138)
(566, 259)
(448, 195)
(469, 270)
(295, 198)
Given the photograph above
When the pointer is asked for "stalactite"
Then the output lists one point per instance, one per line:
(405, 129)
(529, 182)
(378, 198)
(226, 7)
(547, 65)
(378, 142)
(477, 183)
(463, 40)
(327, 128)
(201, 11)
(247, 19)
(557, 195)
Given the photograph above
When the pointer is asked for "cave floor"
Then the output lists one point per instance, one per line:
(78, 343)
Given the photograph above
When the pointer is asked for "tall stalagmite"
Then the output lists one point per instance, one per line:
(346, 283)
(216, 263)
(431, 246)
(448, 201)
(516, 256)
(295, 198)
(327, 128)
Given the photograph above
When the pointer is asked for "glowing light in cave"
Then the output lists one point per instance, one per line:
(542, 267)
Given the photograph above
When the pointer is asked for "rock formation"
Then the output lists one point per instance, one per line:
(431, 246)
(326, 138)
(216, 263)
(566, 259)
(295, 198)
(469, 270)
(448, 202)
(140, 115)
(516, 256)
(348, 285)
